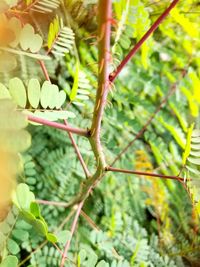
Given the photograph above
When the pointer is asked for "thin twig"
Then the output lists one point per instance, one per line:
(44, 69)
(60, 126)
(156, 24)
(90, 221)
(84, 166)
(45, 242)
(172, 177)
(144, 128)
(74, 224)
(97, 229)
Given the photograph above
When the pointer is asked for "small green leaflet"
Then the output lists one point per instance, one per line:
(24, 36)
(13, 247)
(102, 264)
(23, 197)
(191, 160)
(29, 40)
(24, 200)
(34, 92)
(186, 153)
(18, 92)
(9, 261)
(74, 90)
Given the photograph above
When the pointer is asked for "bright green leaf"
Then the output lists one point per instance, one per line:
(52, 238)
(74, 90)
(12, 246)
(35, 209)
(9, 261)
(188, 144)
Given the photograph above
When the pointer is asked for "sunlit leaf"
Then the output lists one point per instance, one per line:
(18, 91)
(34, 92)
(29, 40)
(9, 261)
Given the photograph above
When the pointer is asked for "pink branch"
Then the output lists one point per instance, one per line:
(104, 35)
(56, 125)
(85, 168)
(156, 24)
(44, 69)
(74, 224)
(145, 174)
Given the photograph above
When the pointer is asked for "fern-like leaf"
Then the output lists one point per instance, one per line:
(191, 159)
(42, 6)
(60, 38)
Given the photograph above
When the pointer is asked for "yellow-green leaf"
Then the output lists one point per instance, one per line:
(188, 144)
(34, 92)
(75, 84)
(18, 92)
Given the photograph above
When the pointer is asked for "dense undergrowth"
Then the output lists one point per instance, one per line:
(152, 111)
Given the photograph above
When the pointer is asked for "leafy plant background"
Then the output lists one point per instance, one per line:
(127, 220)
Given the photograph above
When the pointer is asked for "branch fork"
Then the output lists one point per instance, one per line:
(94, 134)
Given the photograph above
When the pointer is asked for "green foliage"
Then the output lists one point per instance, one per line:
(24, 36)
(81, 88)
(10, 261)
(6, 228)
(60, 38)
(191, 163)
(127, 220)
(35, 96)
(136, 26)
(24, 200)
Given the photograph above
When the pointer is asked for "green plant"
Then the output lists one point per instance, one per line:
(143, 221)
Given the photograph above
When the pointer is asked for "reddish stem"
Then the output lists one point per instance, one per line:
(90, 221)
(74, 224)
(44, 69)
(56, 125)
(104, 35)
(114, 75)
(78, 153)
(145, 174)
